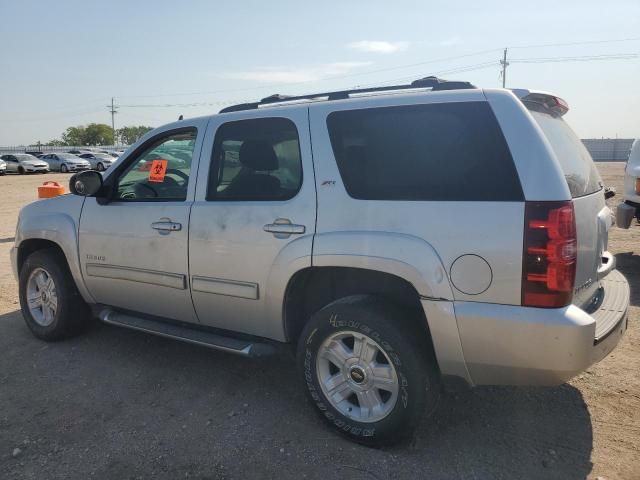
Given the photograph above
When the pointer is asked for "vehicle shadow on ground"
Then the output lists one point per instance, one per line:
(122, 404)
(629, 265)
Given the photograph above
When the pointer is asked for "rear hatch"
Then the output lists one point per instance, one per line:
(593, 217)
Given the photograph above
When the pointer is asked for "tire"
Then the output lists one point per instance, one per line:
(70, 314)
(63, 168)
(100, 167)
(21, 171)
(400, 347)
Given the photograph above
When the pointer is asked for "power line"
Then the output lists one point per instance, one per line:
(584, 58)
(568, 44)
(397, 67)
(333, 77)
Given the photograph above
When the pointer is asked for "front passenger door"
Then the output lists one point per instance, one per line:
(133, 249)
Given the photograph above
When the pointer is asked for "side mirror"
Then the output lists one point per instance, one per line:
(86, 184)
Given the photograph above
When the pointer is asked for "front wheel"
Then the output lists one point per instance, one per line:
(21, 170)
(64, 168)
(368, 369)
(49, 299)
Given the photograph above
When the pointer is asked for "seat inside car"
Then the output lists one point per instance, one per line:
(257, 158)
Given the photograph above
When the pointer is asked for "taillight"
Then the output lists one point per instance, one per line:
(550, 253)
(638, 186)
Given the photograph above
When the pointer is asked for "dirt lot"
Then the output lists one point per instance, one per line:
(118, 404)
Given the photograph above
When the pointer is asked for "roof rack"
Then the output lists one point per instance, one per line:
(434, 83)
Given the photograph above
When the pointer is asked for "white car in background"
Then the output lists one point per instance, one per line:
(24, 163)
(3, 167)
(630, 206)
(98, 161)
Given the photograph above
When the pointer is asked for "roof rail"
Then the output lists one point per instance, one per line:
(434, 83)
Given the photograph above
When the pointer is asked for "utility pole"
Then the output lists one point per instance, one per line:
(504, 64)
(113, 109)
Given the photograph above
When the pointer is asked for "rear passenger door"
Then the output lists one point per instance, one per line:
(253, 220)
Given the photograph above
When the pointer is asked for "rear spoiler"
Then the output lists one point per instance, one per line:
(542, 99)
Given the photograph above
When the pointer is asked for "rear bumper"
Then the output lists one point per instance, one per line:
(512, 345)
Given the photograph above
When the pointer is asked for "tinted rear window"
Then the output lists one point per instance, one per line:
(579, 169)
(447, 152)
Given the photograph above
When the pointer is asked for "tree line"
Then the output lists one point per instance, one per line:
(98, 134)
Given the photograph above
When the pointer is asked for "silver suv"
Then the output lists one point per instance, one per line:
(401, 237)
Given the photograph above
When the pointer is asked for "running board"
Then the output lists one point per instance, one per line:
(185, 334)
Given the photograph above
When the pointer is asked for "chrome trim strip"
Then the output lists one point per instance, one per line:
(152, 277)
(220, 286)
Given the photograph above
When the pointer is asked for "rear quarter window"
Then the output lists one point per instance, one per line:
(578, 167)
(437, 152)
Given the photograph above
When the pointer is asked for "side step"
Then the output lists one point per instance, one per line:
(186, 334)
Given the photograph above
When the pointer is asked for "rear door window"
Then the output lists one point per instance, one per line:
(437, 152)
(579, 169)
(257, 159)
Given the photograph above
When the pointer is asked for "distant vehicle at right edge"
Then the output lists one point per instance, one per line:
(630, 206)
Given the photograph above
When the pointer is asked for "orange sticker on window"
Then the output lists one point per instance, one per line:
(158, 170)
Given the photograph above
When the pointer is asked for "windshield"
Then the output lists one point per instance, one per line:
(69, 156)
(579, 169)
(25, 156)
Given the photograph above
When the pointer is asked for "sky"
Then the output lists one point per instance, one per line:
(62, 62)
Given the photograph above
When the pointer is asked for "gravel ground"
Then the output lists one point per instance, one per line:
(117, 404)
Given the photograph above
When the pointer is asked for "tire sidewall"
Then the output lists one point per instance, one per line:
(408, 364)
(52, 267)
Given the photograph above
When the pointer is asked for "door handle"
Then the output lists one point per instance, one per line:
(282, 228)
(165, 226)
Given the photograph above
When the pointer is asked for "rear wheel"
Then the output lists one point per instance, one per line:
(50, 302)
(368, 369)
(64, 168)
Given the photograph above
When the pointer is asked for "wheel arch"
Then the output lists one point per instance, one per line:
(313, 288)
(52, 230)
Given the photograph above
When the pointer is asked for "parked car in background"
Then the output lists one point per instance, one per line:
(630, 206)
(3, 167)
(98, 161)
(114, 154)
(24, 163)
(66, 162)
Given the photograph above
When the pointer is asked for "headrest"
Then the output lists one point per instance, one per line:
(258, 155)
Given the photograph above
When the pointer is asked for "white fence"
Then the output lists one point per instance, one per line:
(609, 149)
(49, 149)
